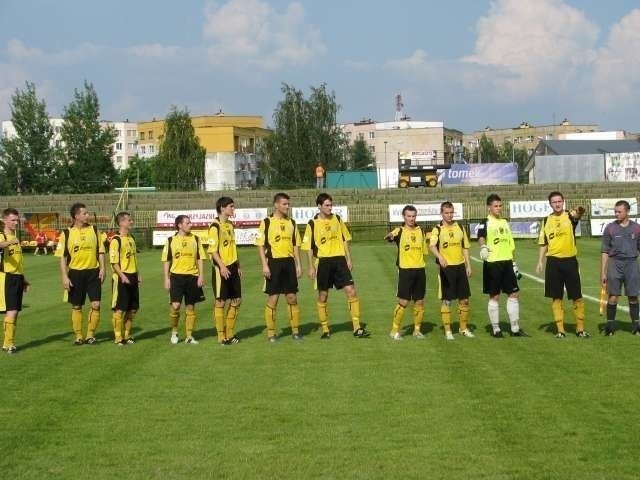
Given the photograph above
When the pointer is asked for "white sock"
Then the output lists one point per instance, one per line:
(513, 310)
(494, 315)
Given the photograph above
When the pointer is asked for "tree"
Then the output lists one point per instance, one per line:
(487, 152)
(86, 145)
(28, 159)
(360, 157)
(139, 172)
(305, 134)
(180, 161)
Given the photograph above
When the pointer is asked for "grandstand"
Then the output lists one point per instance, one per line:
(368, 209)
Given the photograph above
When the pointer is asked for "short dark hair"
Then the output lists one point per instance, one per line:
(409, 208)
(180, 219)
(75, 208)
(494, 197)
(555, 194)
(623, 203)
(279, 196)
(323, 197)
(9, 211)
(120, 216)
(444, 205)
(223, 202)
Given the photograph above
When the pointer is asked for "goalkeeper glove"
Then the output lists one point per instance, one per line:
(516, 271)
(484, 252)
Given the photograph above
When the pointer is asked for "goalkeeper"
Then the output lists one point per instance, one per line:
(557, 241)
(500, 272)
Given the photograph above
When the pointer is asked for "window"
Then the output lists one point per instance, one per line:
(517, 140)
(372, 135)
(530, 138)
(118, 133)
(119, 146)
(372, 148)
(143, 150)
(361, 136)
(349, 135)
(119, 159)
(131, 133)
(131, 146)
(141, 135)
(152, 149)
(150, 136)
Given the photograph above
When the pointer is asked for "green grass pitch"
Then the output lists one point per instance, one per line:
(483, 408)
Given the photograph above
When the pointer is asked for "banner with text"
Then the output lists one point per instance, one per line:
(603, 207)
(529, 209)
(480, 174)
(598, 225)
(622, 167)
(302, 215)
(202, 218)
(520, 229)
(244, 236)
(427, 212)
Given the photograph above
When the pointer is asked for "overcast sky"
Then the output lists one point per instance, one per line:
(468, 63)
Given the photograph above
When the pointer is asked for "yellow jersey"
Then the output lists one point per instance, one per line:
(222, 239)
(278, 236)
(558, 234)
(183, 253)
(451, 241)
(326, 237)
(123, 252)
(11, 259)
(412, 246)
(81, 248)
(498, 238)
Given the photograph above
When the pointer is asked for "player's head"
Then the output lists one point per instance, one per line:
(409, 215)
(621, 210)
(324, 203)
(446, 210)
(494, 202)
(79, 213)
(281, 203)
(556, 201)
(224, 203)
(10, 217)
(123, 218)
(183, 223)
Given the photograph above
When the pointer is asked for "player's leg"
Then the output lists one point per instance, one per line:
(176, 293)
(510, 287)
(10, 320)
(323, 284)
(491, 286)
(418, 291)
(293, 310)
(192, 296)
(574, 293)
(554, 284)
(76, 296)
(615, 280)
(11, 289)
(217, 284)
(632, 289)
(270, 316)
(94, 292)
(133, 290)
(398, 316)
(446, 279)
(235, 294)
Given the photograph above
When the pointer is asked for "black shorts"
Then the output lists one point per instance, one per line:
(226, 288)
(185, 286)
(333, 272)
(561, 273)
(283, 276)
(125, 297)
(86, 283)
(499, 277)
(412, 283)
(454, 283)
(11, 290)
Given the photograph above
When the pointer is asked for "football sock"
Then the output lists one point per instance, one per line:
(94, 321)
(232, 315)
(218, 318)
(354, 311)
(612, 309)
(128, 323)
(463, 315)
(174, 318)
(418, 315)
(116, 320)
(634, 310)
(9, 331)
(270, 320)
(558, 313)
(398, 315)
(578, 313)
(294, 317)
(323, 316)
(445, 314)
(76, 322)
(513, 310)
(189, 321)
(493, 308)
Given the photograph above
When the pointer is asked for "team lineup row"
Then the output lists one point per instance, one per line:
(81, 250)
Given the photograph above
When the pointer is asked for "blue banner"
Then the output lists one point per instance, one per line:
(519, 229)
(480, 174)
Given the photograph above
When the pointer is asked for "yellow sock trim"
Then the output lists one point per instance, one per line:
(398, 315)
(294, 317)
(174, 318)
(418, 315)
(270, 320)
(578, 313)
(218, 318)
(190, 322)
(116, 320)
(463, 316)
(94, 321)
(445, 315)
(323, 316)
(354, 312)
(9, 332)
(76, 322)
(558, 314)
(128, 323)
(232, 315)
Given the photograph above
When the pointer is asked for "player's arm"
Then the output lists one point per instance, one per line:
(296, 258)
(347, 255)
(217, 259)
(482, 241)
(433, 247)
(200, 272)
(467, 261)
(7, 243)
(542, 251)
(165, 270)
(64, 273)
(311, 264)
(266, 271)
(604, 259)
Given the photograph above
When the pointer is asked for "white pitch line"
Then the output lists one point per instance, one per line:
(540, 280)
